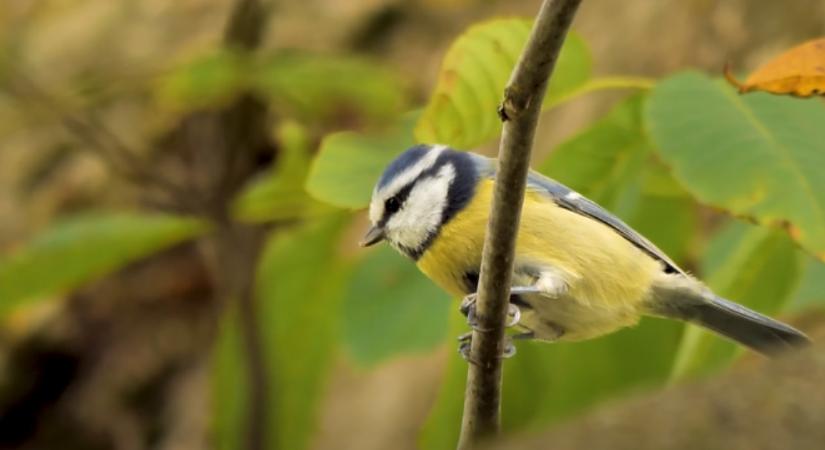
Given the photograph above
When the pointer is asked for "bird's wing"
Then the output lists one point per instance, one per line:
(573, 201)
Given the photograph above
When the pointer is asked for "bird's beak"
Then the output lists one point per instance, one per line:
(374, 235)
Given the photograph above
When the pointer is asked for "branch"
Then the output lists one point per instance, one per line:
(241, 127)
(519, 111)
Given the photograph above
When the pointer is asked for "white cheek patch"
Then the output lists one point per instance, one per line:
(423, 211)
(402, 179)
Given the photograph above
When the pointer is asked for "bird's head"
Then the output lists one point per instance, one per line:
(421, 190)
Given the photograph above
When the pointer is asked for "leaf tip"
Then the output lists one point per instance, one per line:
(728, 73)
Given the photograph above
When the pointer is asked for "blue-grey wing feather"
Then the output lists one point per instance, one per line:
(573, 201)
(570, 199)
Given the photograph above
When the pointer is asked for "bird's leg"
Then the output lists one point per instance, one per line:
(468, 309)
(468, 306)
(466, 339)
(464, 342)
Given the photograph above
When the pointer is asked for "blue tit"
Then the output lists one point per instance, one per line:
(579, 272)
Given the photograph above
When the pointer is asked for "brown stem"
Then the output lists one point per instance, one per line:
(244, 31)
(256, 368)
(519, 111)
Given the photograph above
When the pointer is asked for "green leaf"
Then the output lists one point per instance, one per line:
(318, 86)
(610, 163)
(440, 431)
(669, 221)
(299, 289)
(348, 164)
(461, 111)
(755, 266)
(606, 158)
(280, 194)
(811, 291)
(208, 80)
(756, 155)
(77, 250)
(545, 383)
(300, 286)
(230, 384)
(391, 308)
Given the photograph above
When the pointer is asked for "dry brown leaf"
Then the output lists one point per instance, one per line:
(799, 71)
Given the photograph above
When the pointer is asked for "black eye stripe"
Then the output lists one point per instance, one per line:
(400, 197)
(403, 193)
(392, 205)
(460, 189)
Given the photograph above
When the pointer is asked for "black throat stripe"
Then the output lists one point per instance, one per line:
(460, 192)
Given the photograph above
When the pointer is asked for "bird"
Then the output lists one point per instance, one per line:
(579, 272)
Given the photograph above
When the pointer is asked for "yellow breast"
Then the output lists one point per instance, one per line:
(607, 271)
(457, 248)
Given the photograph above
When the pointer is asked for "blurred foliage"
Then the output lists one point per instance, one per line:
(229, 385)
(658, 159)
(461, 110)
(298, 317)
(391, 307)
(811, 292)
(80, 249)
(603, 161)
(305, 86)
(348, 163)
(208, 80)
(760, 268)
(757, 155)
(279, 194)
(612, 163)
(313, 86)
(442, 428)
(300, 280)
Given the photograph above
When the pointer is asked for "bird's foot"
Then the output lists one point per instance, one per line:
(468, 309)
(465, 342)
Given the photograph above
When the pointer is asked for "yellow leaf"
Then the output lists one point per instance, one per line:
(799, 71)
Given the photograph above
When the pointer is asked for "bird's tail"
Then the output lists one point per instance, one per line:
(747, 327)
(733, 321)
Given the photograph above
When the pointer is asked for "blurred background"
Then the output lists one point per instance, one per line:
(166, 280)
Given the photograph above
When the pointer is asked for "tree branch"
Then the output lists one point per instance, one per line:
(241, 126)
(519, 111)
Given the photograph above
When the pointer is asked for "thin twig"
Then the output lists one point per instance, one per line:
(259, 387)
(519, 111)
(96, 137)
(244, 31)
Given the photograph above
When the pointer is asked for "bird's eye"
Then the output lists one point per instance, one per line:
(392, 205)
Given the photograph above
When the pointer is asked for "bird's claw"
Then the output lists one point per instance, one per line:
(465, 343)
(514, 313)
(509, 348)
(468, 309)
